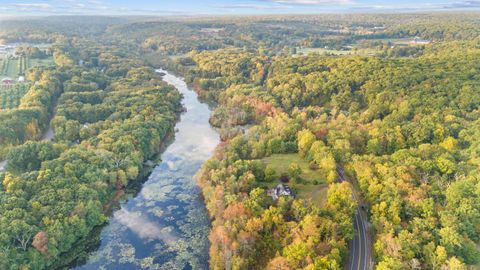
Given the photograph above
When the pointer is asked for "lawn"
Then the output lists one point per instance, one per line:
(9, 68)
(14, 67)
(393, 41)
(317, 193)
(40, 62)
(281, 162)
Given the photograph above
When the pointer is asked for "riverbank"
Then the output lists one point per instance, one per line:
(79, 255)
(165, 225)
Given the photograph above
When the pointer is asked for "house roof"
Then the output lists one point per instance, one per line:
(283, 188)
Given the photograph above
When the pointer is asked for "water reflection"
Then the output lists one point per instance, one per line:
(165, 226)
(143, 227)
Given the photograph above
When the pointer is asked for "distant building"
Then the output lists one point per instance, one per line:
(7, 82)
(6, 50)
(419, 41)
(280, 190)
(212, 30)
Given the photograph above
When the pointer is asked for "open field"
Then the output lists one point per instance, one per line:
(40, 62)
(362, 47)
(317, 194)
(313, 187)
(9, 68)
(280, 163)
(393, 41)
(15, 67)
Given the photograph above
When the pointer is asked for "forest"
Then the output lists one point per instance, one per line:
(402, 127)
(348, 111)
(111, 116)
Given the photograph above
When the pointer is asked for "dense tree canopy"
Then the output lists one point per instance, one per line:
(400, 118)
(107, 124)
(402, 127)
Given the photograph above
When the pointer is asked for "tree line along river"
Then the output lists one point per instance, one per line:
(165, 225)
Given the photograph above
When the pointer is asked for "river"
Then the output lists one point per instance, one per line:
(165, 225)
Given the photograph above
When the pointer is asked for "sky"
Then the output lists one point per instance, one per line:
(224, 7)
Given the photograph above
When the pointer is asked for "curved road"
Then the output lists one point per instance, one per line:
(360, 246)
(2, 165)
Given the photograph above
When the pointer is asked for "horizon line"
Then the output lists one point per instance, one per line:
(359, 12)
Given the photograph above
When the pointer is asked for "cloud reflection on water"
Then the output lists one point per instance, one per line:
(143, 227)
(166, 220)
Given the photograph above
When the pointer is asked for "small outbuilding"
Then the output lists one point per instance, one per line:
(7, 81)
(419, 41)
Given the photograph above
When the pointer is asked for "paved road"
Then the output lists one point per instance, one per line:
(2, 165)
(360, 247)
(48, 135)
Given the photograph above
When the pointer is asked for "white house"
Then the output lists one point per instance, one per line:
(280, 190)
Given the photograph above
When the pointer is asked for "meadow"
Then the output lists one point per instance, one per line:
(13, 67)
(311, 187)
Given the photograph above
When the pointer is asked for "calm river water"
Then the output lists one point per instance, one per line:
(165, 225)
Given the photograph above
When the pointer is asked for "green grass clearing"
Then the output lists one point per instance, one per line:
(281, 162)
(317, 193)
(13, 67)
(40, 62)
(9, 68)
(393, 41)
